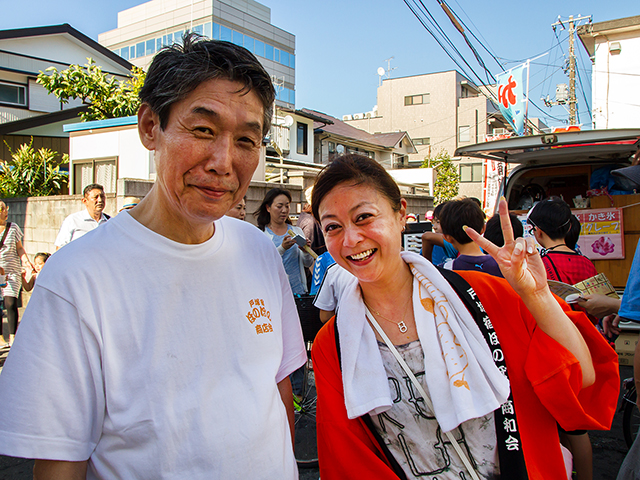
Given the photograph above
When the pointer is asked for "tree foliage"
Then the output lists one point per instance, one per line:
(32, 173)
(106, 96)
(447, 178)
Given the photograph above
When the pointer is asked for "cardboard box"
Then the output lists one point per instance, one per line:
(626, 346)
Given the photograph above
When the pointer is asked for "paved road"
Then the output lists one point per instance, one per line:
(609, 450)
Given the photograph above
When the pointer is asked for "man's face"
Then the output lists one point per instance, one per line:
(95, 201)
(206, 155)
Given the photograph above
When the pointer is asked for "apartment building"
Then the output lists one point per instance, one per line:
(614, 48)
(146, 28)
(439, 111)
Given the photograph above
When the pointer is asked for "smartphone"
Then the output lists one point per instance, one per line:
(300, 240)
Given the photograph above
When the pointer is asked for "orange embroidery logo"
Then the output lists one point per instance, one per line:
(258, 314)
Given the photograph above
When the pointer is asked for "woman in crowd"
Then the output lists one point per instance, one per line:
(239, 211)
(551, 223)
(273, 219)
(11, 252)
(527, 355)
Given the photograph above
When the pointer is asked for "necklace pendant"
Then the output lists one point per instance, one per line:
(402, 327)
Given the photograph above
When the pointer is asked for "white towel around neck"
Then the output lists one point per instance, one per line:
(457, 395)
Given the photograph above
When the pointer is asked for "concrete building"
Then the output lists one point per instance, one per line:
(614, 48)
(26, 108)
(439, 111)
(146, 28)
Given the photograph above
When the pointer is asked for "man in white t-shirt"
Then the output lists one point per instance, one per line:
(161, 345)
(79, 223)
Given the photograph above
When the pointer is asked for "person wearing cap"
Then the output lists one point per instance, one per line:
(79, 223)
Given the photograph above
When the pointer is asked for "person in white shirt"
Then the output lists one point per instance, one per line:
(160, 345)
(79, 223)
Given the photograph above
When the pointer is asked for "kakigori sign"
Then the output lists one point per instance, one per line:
(601, 234)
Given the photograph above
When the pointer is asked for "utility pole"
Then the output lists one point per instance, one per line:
(573, 103)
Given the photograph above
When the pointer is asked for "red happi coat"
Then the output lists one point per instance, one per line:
(545, 379)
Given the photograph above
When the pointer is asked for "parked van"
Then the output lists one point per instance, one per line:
(569, 164)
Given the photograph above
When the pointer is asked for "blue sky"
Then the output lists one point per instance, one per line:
(341, 43)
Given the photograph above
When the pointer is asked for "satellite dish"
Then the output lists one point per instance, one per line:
(380, 71)
(340, 149)
(288, 121)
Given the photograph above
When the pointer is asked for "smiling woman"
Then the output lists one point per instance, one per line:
(402, 318)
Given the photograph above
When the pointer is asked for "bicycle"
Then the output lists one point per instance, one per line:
(631, 414)
(305, 443)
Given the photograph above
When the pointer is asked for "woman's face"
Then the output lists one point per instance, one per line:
(279, 209)
(362, 232)
(239, 211)
(38, 263)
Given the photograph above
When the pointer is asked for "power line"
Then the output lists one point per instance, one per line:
(480, 33)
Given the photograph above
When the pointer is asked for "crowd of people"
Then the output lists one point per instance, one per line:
(164, 342)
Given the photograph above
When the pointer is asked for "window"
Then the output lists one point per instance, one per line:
(238, 38)
(332, 147)
(199, 29)
(140, 48)
(124, 53)
(216, 31)
(470, 172)
(292, 61)
(13, 94)
(418, 99)
(464, 133)
(102, 171)
(302, 138)
(207, 29)
(158, 44)
(248, 43)
(276, 55)
(151, 47)
(284, 58)
(132, 51)
(422, 141)
(177, 36)
(259, 48)
(268, 50)
(225, 33)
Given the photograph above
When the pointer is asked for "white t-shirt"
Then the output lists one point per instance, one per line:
(75, 226)
(335, 281)
(156, 359)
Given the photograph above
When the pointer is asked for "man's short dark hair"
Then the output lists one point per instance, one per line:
(92, 186)
(179, 69)
(459, 213)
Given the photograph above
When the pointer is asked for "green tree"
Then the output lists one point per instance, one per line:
(32, 173)
(447, 178)
(106, 96)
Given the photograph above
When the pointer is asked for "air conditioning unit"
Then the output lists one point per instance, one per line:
(367, 115)
(358, 116)
(346, 118)
(500, 131)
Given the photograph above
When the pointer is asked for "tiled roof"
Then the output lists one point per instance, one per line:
(338, 127)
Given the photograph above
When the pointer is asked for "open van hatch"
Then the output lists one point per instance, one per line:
(555, 164)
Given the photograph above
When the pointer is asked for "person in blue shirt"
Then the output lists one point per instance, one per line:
(434, 247)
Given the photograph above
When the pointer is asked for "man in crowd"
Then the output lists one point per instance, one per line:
(161, 346)
(79, 223)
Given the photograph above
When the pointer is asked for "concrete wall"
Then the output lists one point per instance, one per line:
(40, 218)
